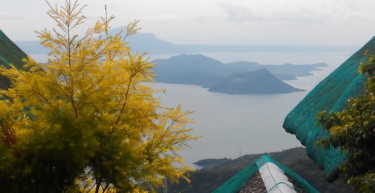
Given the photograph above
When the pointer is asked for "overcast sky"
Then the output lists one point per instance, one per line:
(265, 22)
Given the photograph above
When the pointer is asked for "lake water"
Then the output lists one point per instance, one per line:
(235, 125)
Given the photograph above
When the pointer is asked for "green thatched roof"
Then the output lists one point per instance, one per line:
(331, 94)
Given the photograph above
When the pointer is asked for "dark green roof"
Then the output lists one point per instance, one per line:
(10, 53)
(331, 94)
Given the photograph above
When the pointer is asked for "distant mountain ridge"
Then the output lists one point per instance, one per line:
(191, 69)
(148, 42)
(207, 72)
(285, 71)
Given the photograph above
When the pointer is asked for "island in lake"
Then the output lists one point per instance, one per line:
(233, 78)
(254, 82)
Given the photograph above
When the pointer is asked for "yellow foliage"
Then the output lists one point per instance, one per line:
(92, 89)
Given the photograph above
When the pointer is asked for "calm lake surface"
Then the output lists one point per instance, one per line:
(235, 125)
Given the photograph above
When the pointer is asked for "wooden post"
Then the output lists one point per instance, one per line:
(165, 183)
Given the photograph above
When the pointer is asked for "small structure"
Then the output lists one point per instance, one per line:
(266, 175)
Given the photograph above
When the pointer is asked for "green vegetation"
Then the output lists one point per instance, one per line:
(84, 122)
(353, 131)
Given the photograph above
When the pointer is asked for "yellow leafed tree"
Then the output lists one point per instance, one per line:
(85, 121)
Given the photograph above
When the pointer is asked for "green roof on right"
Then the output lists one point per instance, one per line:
(331, 94)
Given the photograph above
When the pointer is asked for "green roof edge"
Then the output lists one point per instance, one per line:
(235, 183)
(331, 94)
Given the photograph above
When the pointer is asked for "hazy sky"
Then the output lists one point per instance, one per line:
(266, 22)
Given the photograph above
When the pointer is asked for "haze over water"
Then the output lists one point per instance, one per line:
(235, 125)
